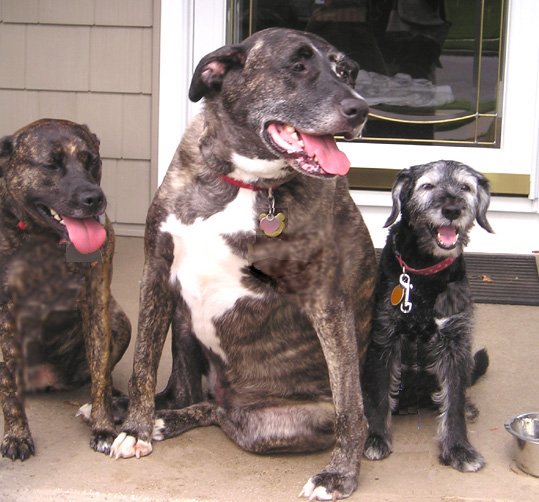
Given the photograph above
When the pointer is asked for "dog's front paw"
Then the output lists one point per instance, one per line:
(102, 440)
(377, 447)
(17, 448)
(329, 486)
(463, 458)
(126, 446)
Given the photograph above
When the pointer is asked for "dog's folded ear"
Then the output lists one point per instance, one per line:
(401, 181)
(213, 67)
(6, 149)
(483, 201)
(93, 136)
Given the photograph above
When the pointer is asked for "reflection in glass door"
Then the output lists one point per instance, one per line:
(430, 69)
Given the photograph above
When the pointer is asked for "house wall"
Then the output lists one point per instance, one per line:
(90, 61)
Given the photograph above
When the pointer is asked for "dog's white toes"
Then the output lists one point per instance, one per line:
(307, 489)
(313, 492)
(463, 458)
(376, 453)
(85, 411)
(372, 454)
(376, 448)
(122, 447)
(472, 466)
(158, 428)
(143, 448)
(126, 446)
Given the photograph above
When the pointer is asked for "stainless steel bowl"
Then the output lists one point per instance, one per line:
(525, 429)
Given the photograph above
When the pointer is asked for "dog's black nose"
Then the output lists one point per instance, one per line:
(355, 109)
(451, 212)
(92, 198)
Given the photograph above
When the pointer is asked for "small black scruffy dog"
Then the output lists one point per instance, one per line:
(420, 353)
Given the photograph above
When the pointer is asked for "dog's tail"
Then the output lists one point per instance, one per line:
(481, 362)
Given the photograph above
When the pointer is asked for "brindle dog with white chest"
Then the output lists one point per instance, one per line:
(257, 255)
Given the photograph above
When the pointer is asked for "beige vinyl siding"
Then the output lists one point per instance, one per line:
(90, 61)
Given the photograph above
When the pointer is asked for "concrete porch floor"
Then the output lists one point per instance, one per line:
(203, 465)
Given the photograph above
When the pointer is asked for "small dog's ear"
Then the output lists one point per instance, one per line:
(402, 179)
(213, 67)
(483, 201)
(6, 149)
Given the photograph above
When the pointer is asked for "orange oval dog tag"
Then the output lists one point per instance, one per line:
(397, 295)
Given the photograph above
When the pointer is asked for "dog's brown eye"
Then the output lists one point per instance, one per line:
(466, 188)
(299, 67)
(427, 186)
(88, 161)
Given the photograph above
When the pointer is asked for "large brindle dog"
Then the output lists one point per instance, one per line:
(257, 255)
(59, 326)
(420, 353)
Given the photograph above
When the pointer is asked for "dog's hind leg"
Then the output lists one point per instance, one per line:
(283, 427)
(452, 364)
(291, 428)
(17, 442)
(184, 386)
(172, 423)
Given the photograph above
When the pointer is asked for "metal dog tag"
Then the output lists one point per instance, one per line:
(74, 256)
(270, 223)
(407, 286)
(397, 294)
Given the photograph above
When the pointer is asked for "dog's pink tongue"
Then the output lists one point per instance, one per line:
(87, 235)
(330, 158)
(447, 235)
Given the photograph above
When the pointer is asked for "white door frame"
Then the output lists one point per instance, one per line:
(189, 30)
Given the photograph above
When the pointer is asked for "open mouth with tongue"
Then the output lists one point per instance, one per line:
(86, 234)
(314, 155)
(447, 236)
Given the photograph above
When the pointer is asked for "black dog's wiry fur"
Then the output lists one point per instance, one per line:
(59, 326)
(279, 324)
(424, 357)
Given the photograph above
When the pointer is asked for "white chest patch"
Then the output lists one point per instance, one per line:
(207, 269)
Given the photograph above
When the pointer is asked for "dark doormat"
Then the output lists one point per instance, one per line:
(503, 278)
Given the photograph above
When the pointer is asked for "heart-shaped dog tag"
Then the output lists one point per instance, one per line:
(272, 225)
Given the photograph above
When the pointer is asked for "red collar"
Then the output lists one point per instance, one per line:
(21, 225)
(249, 186)
(239, 183)
(433, 269)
